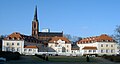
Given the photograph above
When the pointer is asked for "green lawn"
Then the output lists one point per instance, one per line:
(66, 59)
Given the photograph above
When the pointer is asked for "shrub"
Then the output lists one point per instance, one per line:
(10, 55)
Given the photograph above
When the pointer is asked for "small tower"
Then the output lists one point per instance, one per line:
(35, 25)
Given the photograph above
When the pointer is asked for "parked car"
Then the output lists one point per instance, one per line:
(2, 59)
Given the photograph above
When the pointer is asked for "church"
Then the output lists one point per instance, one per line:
(43, 36)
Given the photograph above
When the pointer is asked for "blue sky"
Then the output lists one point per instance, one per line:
(82, 18)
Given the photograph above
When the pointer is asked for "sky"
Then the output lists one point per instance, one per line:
(83, 18)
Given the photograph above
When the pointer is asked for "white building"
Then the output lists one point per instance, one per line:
(15, 42)
(61, 45)
(99, 45)
(30, 50)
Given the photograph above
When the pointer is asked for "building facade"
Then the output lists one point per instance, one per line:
(61, 45)
(100, 45)
(16, 42)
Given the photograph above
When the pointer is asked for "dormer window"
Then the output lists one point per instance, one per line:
(15, 38)
(103, 40)
(12, 38)
(18, 38)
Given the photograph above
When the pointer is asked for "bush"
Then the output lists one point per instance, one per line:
(112, 58)
(10, 55)
(41, 56)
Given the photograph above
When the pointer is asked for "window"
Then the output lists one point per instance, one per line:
(59, 46)
(12, 38)
(34, 25)
(30, 49)
(67, 51)
(7, 43)
(102, 51)
(55, 45)
(12, 43)
(18, 44)
(101, 45)
(13, 49)
(85, 50)
(103, 40)
(67, 45)
(18, 38)
(72, 51)
(111, 45)
(18, 49)
(34, 50)
(94, 50)
(90, 50)
(106, 45)
(106, 51)
(58, 50)
(112, 51)
(25, 49)
(7, 48)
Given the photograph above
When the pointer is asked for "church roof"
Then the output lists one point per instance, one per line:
(50, 34)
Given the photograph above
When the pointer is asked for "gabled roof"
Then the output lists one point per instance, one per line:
(30, 46)
(90, 48)
(101, 38)
(14, 35)
(18, 36)
(53, 39)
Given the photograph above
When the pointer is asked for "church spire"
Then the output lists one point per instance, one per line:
(35, 14)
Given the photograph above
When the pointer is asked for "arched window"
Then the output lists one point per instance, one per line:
(34, 25)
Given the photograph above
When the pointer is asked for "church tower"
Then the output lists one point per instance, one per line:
(35, 25)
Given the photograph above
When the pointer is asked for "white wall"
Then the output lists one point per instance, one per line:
(99, 48)
(58, 47)
(7, 44)
(30, 51)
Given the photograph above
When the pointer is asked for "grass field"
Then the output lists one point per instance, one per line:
(66, 59)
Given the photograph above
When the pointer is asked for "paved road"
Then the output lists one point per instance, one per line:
(35, 60)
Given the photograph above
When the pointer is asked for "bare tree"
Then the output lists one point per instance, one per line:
(116, 36)
(72, 38)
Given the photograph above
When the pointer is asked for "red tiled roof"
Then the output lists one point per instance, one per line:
(100, 38)
(14, 35)
(57, 38)
(30, 47)
(74, 48)
(90, 48)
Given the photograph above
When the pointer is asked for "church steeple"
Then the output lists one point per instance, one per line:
(35, 25)
(35, 14)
